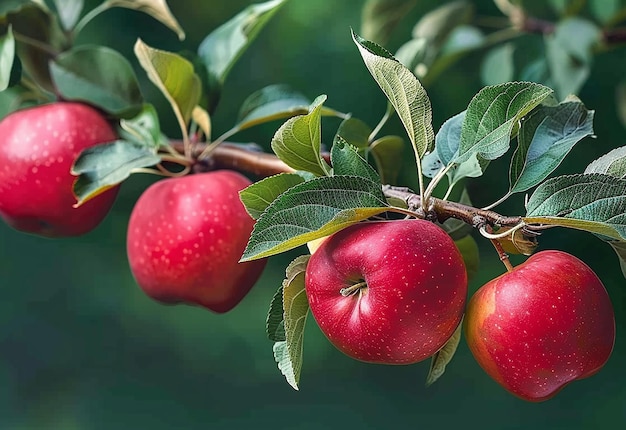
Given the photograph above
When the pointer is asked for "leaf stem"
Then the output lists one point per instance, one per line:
(497, 202)
(88, 17)
(381, 123)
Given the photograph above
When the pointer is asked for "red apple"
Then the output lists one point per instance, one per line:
(544, 324)
(389, 292)
(186, 236)
(38, 147)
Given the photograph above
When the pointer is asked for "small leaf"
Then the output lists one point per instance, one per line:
(311, 210)
(69, 12)
(491, 116)
(437, 25)
(440, 360)
(275, 323)
(258, 196)
(157, 9)
(144, 129)
(288, 353)
(174, 76)
(10, 6)
(595, 203)
(271, 103)
(104, 166)
(7, 56)
(388, 154)
(201, 117)
(99, 76)
(497, 66)
(518, 243)
(347, 161)
(380, 17)
(546, 136)
(403, 90)
(297, 142)
(612, 163)
(355, 132)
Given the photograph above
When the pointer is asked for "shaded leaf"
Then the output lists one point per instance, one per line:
(595, 203)
(441, 358)
(355, 132)
(298, 141)
(403, 90)
(157, 9)
(103, 166)
(347, 161)
(497, 66)
(380, 17)
(100, 76)
(271, 103)
(388, 154)
(620, 249)
(69, 12)
(258, 196)
(311, 210)
(468, 248)
(7, 56)
(275, 323)
(612, 163)
(144, 129)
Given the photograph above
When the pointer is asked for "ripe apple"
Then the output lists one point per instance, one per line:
(390, 292)
(186, 236)
(38, 146)
(544, 324)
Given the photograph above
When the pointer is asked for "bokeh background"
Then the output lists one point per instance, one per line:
(81, 347)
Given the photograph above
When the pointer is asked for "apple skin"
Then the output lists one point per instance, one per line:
(38, 147)
(537, 328)
(185, 238)
(414, 298)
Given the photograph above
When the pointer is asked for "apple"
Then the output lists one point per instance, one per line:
(38, 147)
(544, 324)
(390, 292)
(186, 236)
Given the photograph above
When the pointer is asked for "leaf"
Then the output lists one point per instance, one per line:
(174, 76)
(491, 116)
(355, 132)
(620, 101)
(69, 12)
(297, 142)
(347, 161)
(275, 323)
(380, 17)
(144, 129)
(258, 196)
(103, 166)
(311, 210)
(440, 360)
(569, 50)
(157, 9)
(100, 76)
(595, 203)
(403, 90)
(388, 154)
(612, 163)
(620, 249)
(605, 10)
(271, 103)
(7, 56)
(224, 45)
(497, 66)
(9, 6)
(201, 117)
(288, 353)
(546, 136)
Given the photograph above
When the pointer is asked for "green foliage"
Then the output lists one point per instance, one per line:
(380, 17)
(7, 55)
(347, 161)
(258, 196)
(440, 360)
(69, 12)
(271, 103)
(157, 9)
(613, 163)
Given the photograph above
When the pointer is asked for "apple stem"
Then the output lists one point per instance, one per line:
(352, 289)
(504, 257)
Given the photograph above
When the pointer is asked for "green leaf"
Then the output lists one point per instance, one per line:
(144, 129)
(441, 358)
(288, 353)
(497, 66)
(569, 50)
(620, 249)
(437, 25)
(620, 101)
(297, 142)
(605, 10)
(311, 210)
(380, 17)
(546, 136)
(9, 6)
(224, 45)
(388, 154)
(103, 166)
(275, 323)
(595, 203)
(346, 161)
(174, 76)
(355, 132)
(157, 9)
(258, 196)
(7, 56)
(492, 115)
(69, 12)
(100, 76)
(612, 163)
(271, 103)
(403, 90)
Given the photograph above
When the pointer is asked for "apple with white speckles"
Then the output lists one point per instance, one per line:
(186, 236)
(38, 147)
(544, 324)
(388, 292)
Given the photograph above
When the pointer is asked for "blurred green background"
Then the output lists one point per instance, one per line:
(81, 347)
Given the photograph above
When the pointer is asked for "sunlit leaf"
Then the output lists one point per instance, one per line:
(258, 196)
(298, 141)
(69, 12)
(403, 90)
(311, 210)
(388, 154)
(271, 103)
(441, 358)
(7, 56)
(201, 117)
(157, 9)
(347, 161)
(612, 163)
(380, 17)
(595, 203)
